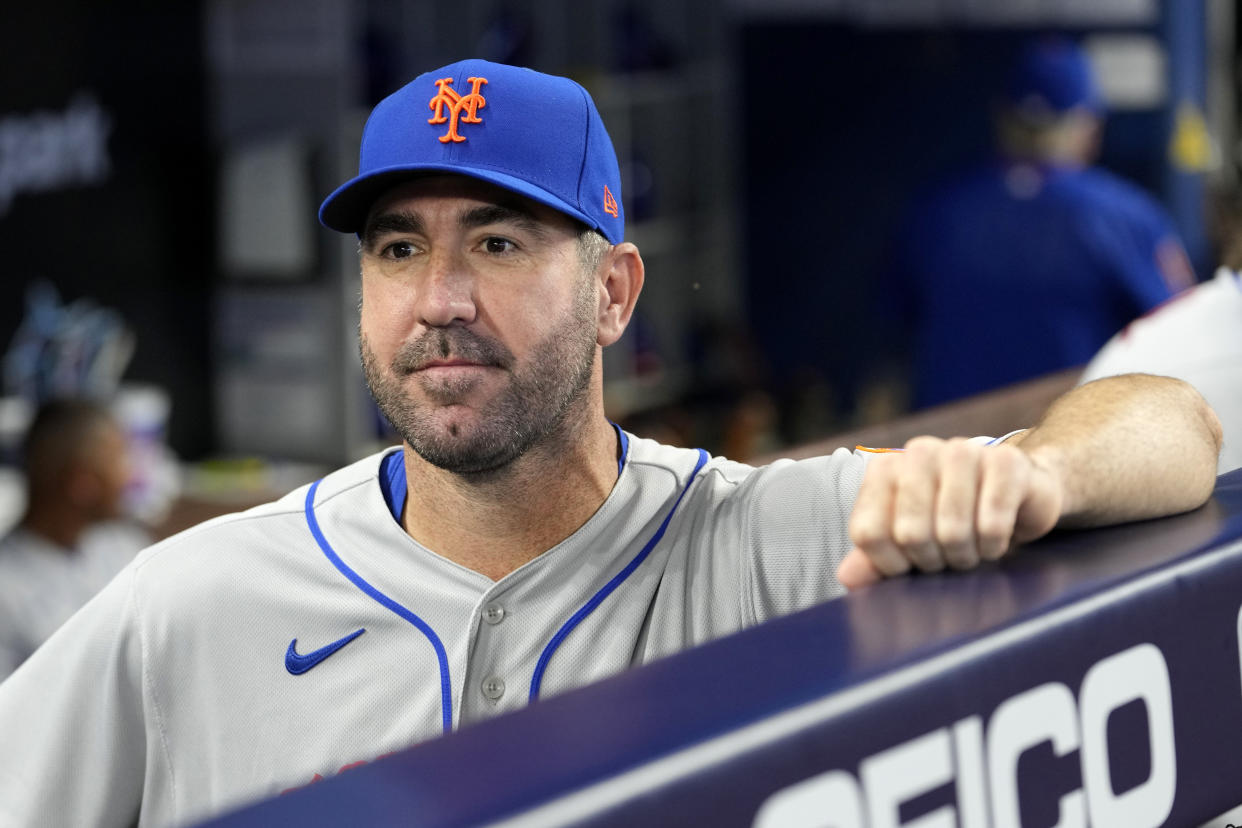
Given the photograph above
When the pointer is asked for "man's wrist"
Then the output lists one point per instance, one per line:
(1049, 460)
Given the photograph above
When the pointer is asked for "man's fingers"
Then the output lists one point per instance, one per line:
(1003, 478)
(872, 519)
(915, 485)
(956, 503)
(856, 570)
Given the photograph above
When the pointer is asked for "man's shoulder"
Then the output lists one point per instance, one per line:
(681, 462)
(726, 478)
(1101, 189)
(1193, 325)
(651, 452)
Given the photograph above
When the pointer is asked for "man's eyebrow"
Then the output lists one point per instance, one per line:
(514, 213)
(397, 221)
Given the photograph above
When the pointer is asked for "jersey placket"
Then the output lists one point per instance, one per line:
(490, 685)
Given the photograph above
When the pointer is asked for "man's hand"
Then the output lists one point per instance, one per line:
(1117, 449)
(947, 503)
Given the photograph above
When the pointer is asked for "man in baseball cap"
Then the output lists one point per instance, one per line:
(479, 334)
(516, 544)
(1051, 77)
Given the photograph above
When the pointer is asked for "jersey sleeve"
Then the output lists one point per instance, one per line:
(73, 724)
(797, 525)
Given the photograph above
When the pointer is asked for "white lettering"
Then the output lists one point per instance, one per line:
(1041, 714)
(829, 800)
(49, 151)
(901, 773)
(972, 794)
(1139, 673)
(1044, 714)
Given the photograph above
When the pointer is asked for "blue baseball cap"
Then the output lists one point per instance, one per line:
(1051, 76)
(537, 135)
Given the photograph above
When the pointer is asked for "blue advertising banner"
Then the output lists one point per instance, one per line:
(1092, 679)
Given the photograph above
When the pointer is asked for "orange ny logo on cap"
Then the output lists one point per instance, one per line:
(471, 103)
(610, 203)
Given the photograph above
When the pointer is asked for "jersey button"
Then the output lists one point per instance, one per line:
(493, 688)
(494, 614)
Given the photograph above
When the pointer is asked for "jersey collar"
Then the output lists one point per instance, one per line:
(392, 474)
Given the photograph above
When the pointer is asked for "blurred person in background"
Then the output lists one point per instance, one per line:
(1028, 263)
(1196, 337)
(71, 540)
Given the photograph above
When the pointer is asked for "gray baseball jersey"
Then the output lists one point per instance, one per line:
(262, 650)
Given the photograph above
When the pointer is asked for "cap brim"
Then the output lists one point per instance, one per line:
(347, 208)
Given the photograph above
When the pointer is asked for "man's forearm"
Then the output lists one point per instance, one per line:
(1126, 448)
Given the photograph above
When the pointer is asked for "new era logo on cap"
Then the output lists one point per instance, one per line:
(535, 134)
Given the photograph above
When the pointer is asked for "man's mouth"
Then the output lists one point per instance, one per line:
(433, 364)
(448, 353)
(452, 372)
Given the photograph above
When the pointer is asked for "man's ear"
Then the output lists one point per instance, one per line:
(621, 280)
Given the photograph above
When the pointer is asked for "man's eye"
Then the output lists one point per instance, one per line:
(496, 244)
(398, 250)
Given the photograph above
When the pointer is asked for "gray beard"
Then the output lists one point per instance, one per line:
(537, 404)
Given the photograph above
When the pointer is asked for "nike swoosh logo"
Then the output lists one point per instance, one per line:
(299, 664)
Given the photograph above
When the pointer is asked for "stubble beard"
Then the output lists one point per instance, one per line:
(540, 402)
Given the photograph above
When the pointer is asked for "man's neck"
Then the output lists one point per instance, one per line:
(495, 523)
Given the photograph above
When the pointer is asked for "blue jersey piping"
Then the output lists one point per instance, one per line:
(625, 448)
(393, 485)
(446, 692)
(608, 588)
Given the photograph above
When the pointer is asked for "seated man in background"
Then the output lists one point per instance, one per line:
(517, 544)
(70, 541)
(1196, 337)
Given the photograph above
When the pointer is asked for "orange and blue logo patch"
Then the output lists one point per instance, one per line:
(469, 103)
(610, 203)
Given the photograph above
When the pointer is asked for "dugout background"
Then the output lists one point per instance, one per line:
(140, 240)
(768, 146)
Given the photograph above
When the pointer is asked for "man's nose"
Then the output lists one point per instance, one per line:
(447, 293)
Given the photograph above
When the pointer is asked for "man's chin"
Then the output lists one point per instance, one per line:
(453, 439)
(454, 421)
(463, 459)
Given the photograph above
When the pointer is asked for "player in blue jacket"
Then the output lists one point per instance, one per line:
(1030, 262)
